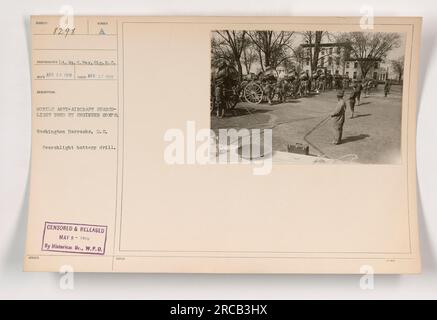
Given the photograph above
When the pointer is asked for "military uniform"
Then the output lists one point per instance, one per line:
(386, 88)
(220, 89)
(329, 80)
(337, 116)
(367, 86)
(352, 99)
(345, 83)
(358, 94)
(322, 83)
(269, 78)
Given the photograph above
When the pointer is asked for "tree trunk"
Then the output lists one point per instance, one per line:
(240, 69)
(315, 59)
(261, 59)
(247, 64)
(267, 58)
(364, 71)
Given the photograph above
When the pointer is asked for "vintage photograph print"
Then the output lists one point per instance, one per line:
(328, 97)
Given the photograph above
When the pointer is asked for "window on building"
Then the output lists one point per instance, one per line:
(330, 61)
(348, 64)
(355, 75)
(375, 65)
(355, 65)
(337, 61)
(330, 50)
(307, 61)
(347, 74)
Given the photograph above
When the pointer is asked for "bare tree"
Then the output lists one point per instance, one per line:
(398, 67)
(271, 46)
(313, 39)
(220, 52)
(298, 55)
(369, 47)
(230, 45)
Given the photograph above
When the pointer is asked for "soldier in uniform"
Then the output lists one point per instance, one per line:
(322, 82)
(386, 88)
(282, 86)
(295, 86)
(219, 88)
(352, 98)
(224, 78)
(315, 82)
(367, 86)
(337, 116)
(329, 80)
(270, 82)
(358, 93)
(345, 82)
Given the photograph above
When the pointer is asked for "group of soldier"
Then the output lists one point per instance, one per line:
(339, 112)
(296, 85)
(301, 85)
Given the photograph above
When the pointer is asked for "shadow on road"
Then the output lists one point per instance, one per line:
(363, 103)
(292, 101)
(355, 138)
(245, 111)
(362, 115)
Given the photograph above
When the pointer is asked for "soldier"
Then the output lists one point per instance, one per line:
(352, 97)
(322, 82)
(337, 116)
(295, 87)
(315, 82)
(338, 82)
(269, 78)
(225, 78)
(220, 80)
(367, 84)
(386, 88)
(282, 85)
(345, 82)
(359, 88)
(307, 83)
(303, 83)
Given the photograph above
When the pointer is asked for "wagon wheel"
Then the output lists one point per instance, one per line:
(253, 93)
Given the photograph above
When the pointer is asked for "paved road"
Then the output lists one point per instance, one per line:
(373, 136)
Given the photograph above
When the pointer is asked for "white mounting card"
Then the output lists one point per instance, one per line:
(223, 144)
